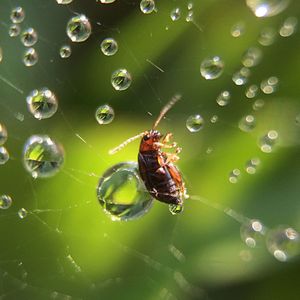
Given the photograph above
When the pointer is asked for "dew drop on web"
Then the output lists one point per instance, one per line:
(79, 28)
(121, 79)
(195, 123)
(3, 134)
(122, 194)
(212, 67)
(42, 103)
(104, 114)
(109, 46)
(29, 37)
(4, 155)
(147, 6)
(252, 233)
(42, 156)
(5, 201)
(30, 57)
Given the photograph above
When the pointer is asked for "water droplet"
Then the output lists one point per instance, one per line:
(268, 141)
(147, 6)
(42, 103)
(212, 67)
(234, 175)
(267, 36)
(65, 51)
(121, 79)
(104, 114)
(19, 116)
(283, 243)
(79, 28)
(175, 14)
(247, 123)
(267, 8)
(30, 57)
(241, 77)
(224, 98)
(258, 104)
(251, 165)
(189, 17)
(190, 5)
(251, 91)
(17, 15)
(252, 57)
(270, 85)
(194, 123)
(29, 37)
(175, 209)
(214, 119)
(5, 202)
(22, 213)
(14, 30)
(288, 27)
(122, 193)
(64, 1)
(238, 29)
(109, 46)
(4, 155)
(252, 232)
(43, 157)
(209, 150)
(3, 134)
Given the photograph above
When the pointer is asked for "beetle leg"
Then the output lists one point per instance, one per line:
(167, 138)
(164, 145)
(171, 158)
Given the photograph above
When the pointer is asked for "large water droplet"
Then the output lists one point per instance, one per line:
(212, 67)
(175, 209)
(194, 123)
(109, 46)
(252, 232)
(107, 1)
(79, 28)
(17, 15)
(224, 98)
(121, 79)
(4, 155)
(5, 202)
(14, 30)
(30, 57)
(147, 6)
(3, 134)
(65, 51)
(267, 8)
(43, 157)
(104, 114)
(122, 193)
(42, 103)
(251, 91)
(29, 37)
(283, 243)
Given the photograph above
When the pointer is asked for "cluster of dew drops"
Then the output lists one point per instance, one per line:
(44, 157)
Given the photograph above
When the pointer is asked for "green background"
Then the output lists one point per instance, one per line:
(66, 246)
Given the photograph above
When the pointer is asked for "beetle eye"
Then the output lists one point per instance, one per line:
(146, 137)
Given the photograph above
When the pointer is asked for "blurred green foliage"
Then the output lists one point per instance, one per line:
(67, 245)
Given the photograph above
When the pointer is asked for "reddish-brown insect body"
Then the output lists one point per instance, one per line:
(161, 177)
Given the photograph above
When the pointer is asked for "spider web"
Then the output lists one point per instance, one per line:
(66, 247)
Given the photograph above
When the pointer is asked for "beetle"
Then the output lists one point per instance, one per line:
(161, 177)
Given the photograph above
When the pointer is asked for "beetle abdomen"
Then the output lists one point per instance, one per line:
(157, 178)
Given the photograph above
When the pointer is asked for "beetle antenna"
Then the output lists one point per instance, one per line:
(166, 108)
(121, 146)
